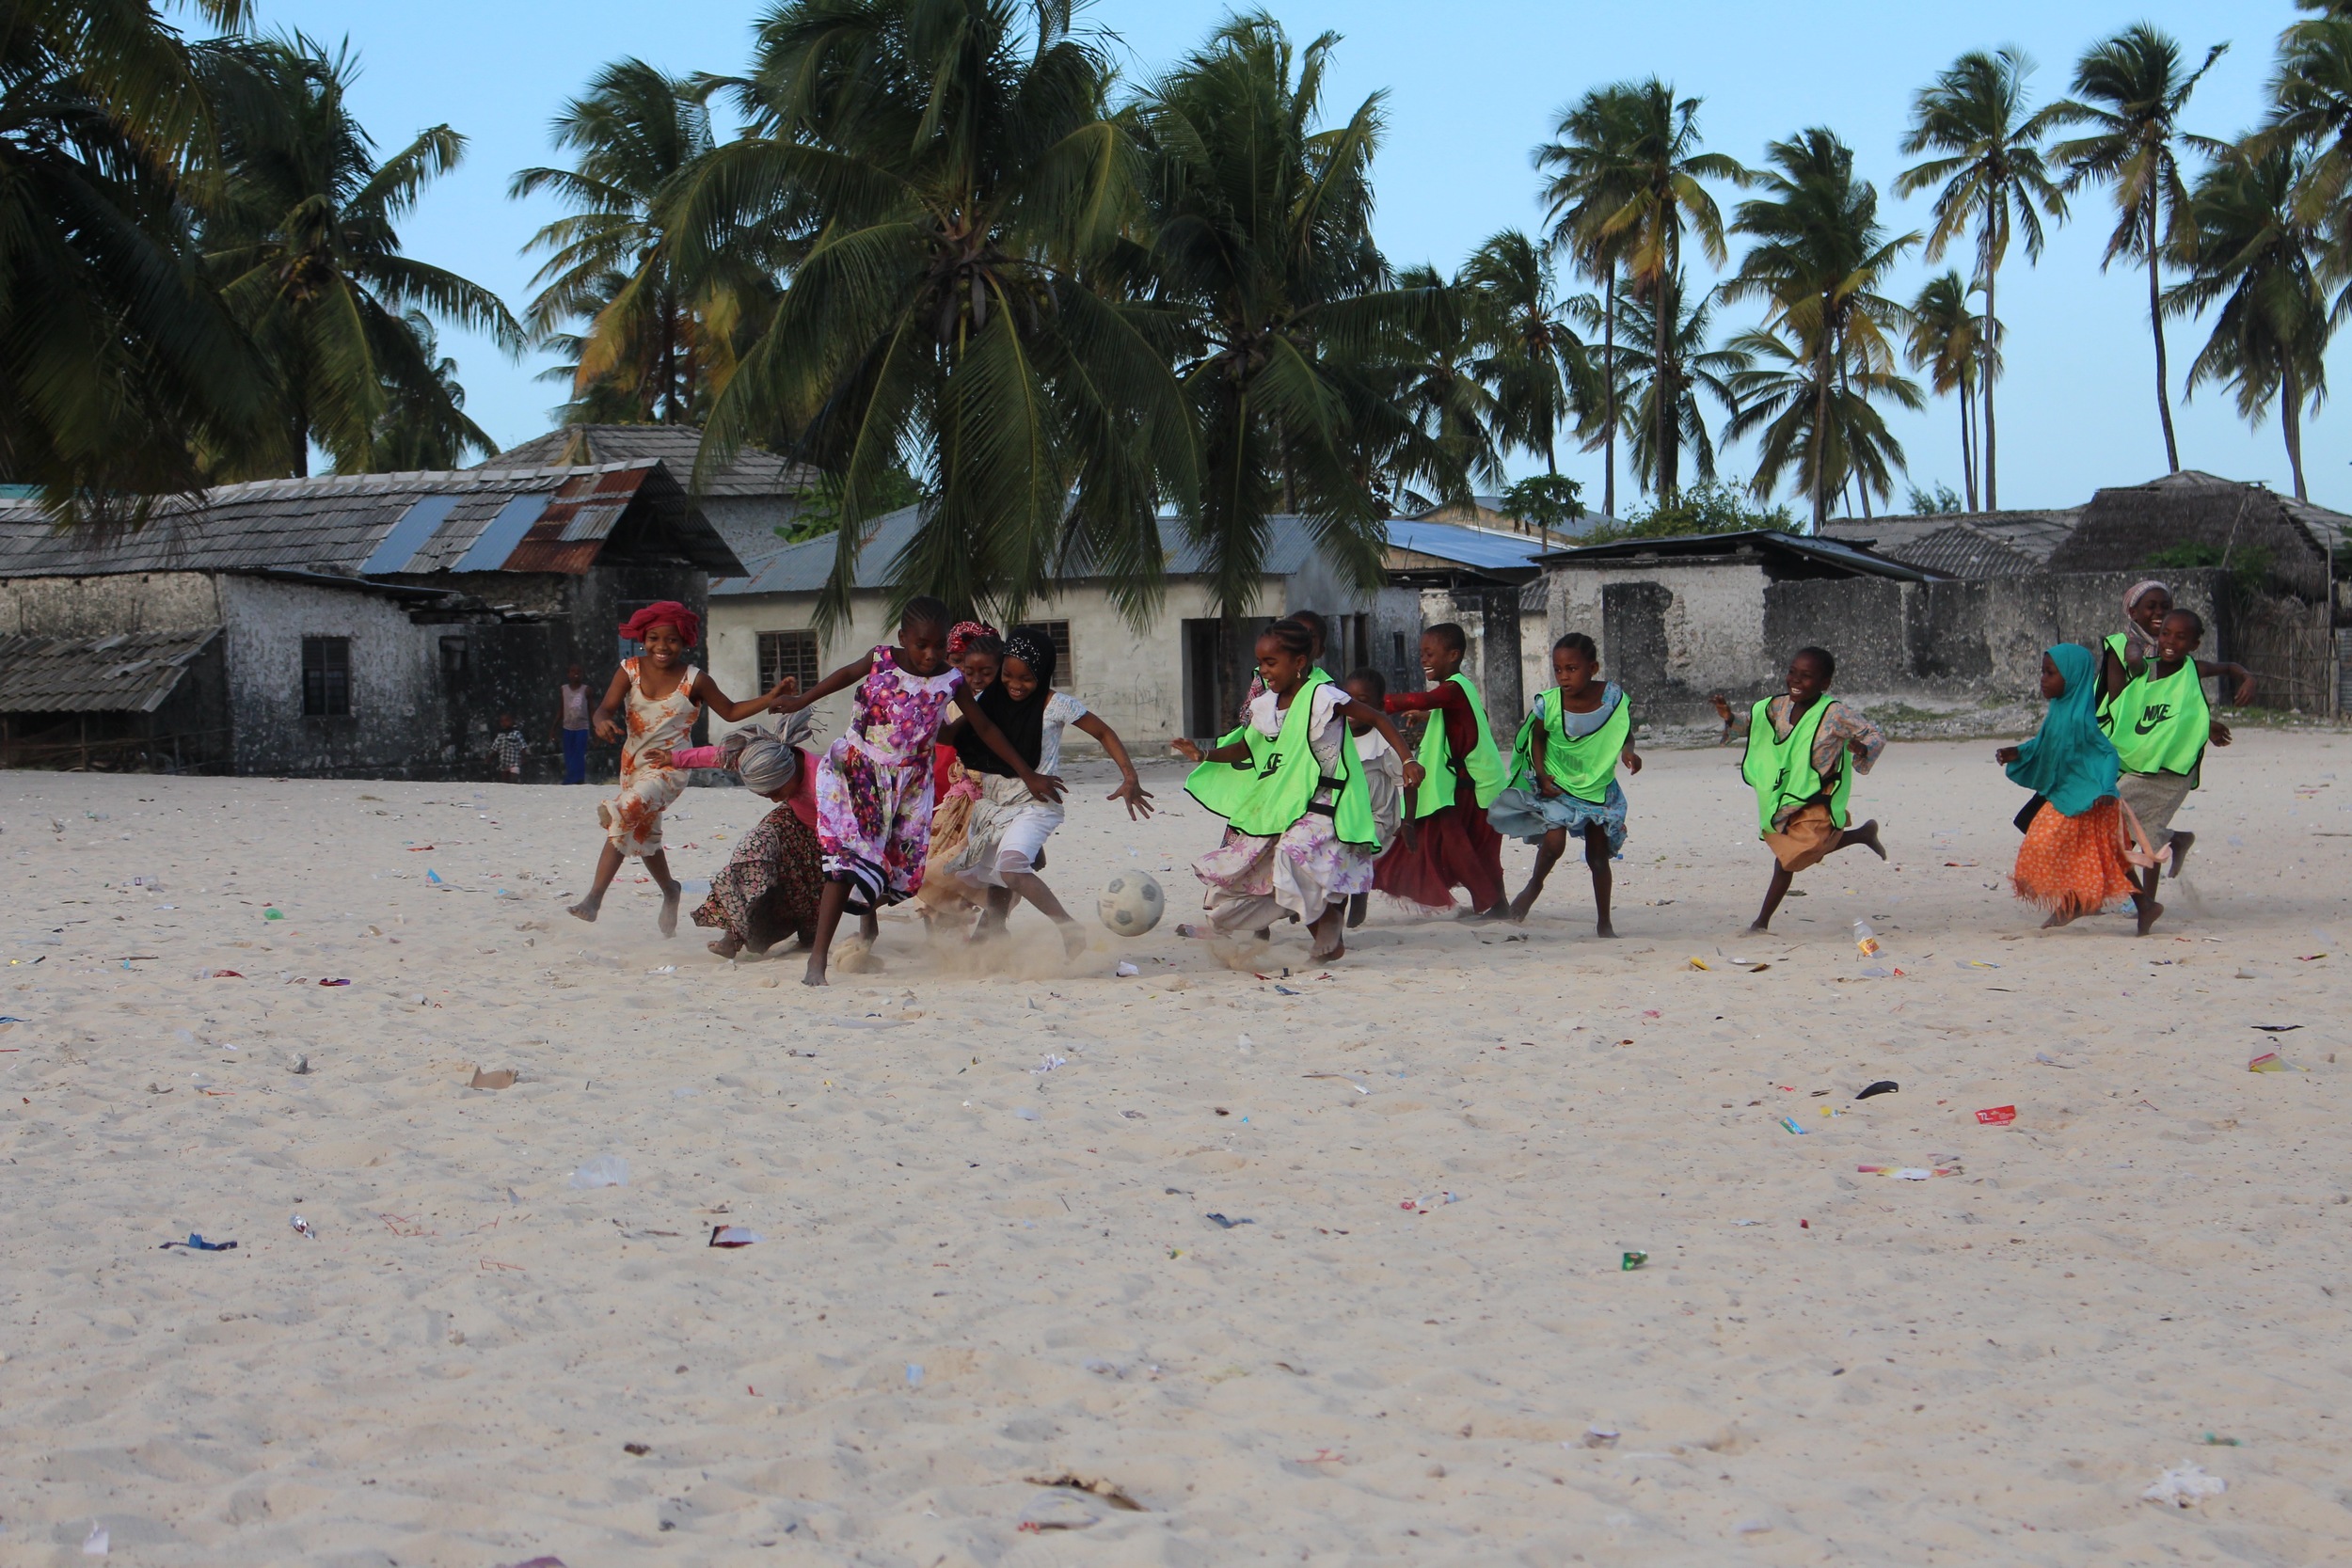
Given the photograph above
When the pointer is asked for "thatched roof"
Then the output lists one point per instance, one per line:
(1964, 543)
(2126, 525)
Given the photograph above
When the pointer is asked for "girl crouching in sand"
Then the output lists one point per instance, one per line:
(662, 694)
(874, 785)
(2073, 859)
(768, 891)
(1291, 788)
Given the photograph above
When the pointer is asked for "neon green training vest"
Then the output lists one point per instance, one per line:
(2162, 726)
(1262, 796)
(1781, 771)
(1484, 764)
(1582, 764)
(2116, 643)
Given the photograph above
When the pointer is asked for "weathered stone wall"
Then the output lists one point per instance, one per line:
(1672, 635)
(102, 606)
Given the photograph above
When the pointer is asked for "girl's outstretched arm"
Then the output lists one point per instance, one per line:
(848, 674)
(2207, 669)
(1042, 786)
(1354, 709)
(716, 701)
(1131, 790)
(1237, 752)
(606, 722)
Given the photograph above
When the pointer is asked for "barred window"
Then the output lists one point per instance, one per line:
(1065, 663)
(325, 676)
(788, 652)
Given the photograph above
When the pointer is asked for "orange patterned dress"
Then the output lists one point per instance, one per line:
(632, 819)
(2073, 865)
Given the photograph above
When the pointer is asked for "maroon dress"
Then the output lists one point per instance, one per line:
(1456, 845)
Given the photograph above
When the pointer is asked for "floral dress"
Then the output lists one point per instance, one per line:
(874, 787)
(632, 819)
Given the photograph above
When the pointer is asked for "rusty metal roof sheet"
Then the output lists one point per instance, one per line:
(127, 672)
(412, 524)
(754, 472)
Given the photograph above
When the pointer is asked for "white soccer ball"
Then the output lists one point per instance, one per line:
(1132, 904)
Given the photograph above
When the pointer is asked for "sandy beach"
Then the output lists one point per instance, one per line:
(985, 1190)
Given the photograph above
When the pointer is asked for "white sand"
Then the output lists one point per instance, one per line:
(1984, 1367)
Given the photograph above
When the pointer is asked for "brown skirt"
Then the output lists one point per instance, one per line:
(1804, 838)
(769, 888)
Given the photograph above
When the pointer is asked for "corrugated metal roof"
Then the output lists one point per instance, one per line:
(2035, 534)
(754, 472)
(408, 524)
(1471, 547)
(1826, 552)
(127, 672)
(804, 568)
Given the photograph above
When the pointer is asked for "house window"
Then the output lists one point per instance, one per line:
(1065, 666)
(788, 652)
(456, 661)
(325, 676)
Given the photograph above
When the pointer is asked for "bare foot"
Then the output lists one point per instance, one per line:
(1196, 933)
(2181, 843)
(1495, 912)
(1605, 929)
(1073, 938)
(2150, 914)
(669, 908)
(726, 946)
(1338, 952)
(1867, 835)
(815, 976)
(584, 909)
(2058, 918)
(1760, 929)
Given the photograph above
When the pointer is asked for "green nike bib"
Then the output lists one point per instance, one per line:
(2162, 726)
(1484, 764)
(1276, 785)
(1580, 765)
(1781, 771)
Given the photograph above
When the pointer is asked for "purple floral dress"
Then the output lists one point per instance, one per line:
(874, 785)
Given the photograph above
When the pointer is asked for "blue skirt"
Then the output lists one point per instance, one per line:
(1522, 814)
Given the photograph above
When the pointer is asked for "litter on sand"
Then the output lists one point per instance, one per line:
(302, 1228)
(1907, 1173)
(1125, 970)
(1997, 1116)
(197, 1244)
(1696, 963)
(2277, 1028)
(1792, 1123)
(2270, 1061)
(94, 1543)
(1884, 1086)
(2185, 1485)
(1224, 1223)
(484, 1078)
(605, 1170)
(733, 1235)
(1626, 1265)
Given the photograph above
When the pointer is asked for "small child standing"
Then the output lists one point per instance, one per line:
(1384, 776)
(1803, 750)
(506, 750)
(874, 784)
(1291, 788)
(1456, 847)
(1563, 774)
(662, 694)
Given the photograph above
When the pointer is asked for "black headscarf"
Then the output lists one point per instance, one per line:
(1022, 723)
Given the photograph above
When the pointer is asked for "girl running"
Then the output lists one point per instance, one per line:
(874, 785)
(2073, 859)
(660, 695)
(1563, 774)
(1291, 787)
(1804, 751)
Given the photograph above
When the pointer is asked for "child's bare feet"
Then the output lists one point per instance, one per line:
(2150, 912)
(1603, 928)
(2058, 918)
(669, 908)
(585, 909)
(1073, 938)
(2181, 843)
(1866, 835)
(726, 946)
(1760, 929)
(815, 976)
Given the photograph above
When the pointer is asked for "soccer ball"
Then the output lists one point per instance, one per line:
(1132, 904)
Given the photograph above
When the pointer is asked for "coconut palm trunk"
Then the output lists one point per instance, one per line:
(1669, 446)
(1991, 283)
(1609, 359)
(2291, 422)
(2155, 325)
(1968, 444)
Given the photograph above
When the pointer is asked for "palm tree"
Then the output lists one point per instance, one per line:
(2311, 97)
(1663, 393)
(424, 425)
(1588, 162)
(2256, 260)
(1945, 336)
(1820, 261)
(118, 365)
(1259, 216)
(1989, 174)
(953, 173)
(646, 355)
(1649, 160)
(1825, 428)
(1536, 364)
(300, 232)
(2132, 88)
(1436, 379)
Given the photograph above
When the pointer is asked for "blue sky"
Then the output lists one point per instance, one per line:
(1471, 85)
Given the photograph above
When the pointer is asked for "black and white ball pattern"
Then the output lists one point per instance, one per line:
(1132, 904)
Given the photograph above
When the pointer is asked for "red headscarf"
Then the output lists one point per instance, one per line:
(960, 638)
(665, 611)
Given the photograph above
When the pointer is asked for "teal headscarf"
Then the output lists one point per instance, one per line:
(2070, 763)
